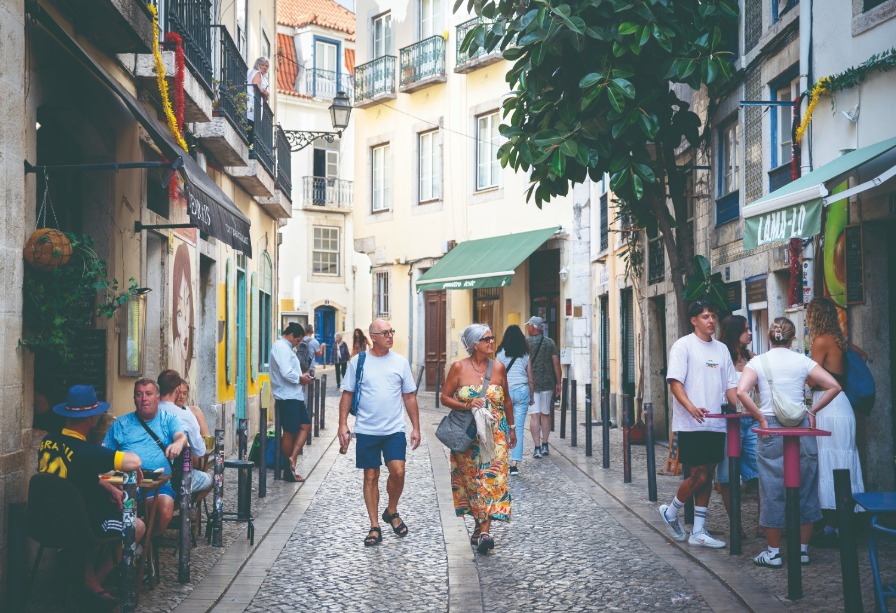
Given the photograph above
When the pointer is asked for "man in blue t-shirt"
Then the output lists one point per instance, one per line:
(386, 391)
(129, 434)
(69, 456)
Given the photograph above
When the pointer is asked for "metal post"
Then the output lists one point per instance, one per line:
(278, 473)
(651, 452)
(573, 409)
(734, 503)
(186, 517)
(317, 405)
(323, 402)
(626, 441)
(564, 401)
(309, 405)
(792, 518)
(263, 452)
(587, 420)
(217, 532)
(127, 591)
(438, 383)
(605, 425)
(242, 438)
(244, 493)
(849, 560)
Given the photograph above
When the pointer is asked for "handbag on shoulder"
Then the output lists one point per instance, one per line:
(457, 430)
(789, 414)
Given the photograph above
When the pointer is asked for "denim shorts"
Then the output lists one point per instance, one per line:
(372, 450)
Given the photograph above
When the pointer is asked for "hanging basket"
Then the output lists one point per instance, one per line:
(47, 249)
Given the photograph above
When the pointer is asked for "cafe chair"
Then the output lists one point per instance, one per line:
(882, 590)
(57, 518)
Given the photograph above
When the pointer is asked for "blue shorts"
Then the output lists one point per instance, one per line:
(293, 414)
(165, 490)
(372, 450)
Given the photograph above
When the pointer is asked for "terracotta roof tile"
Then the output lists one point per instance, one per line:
(324, 13)
(287, 66)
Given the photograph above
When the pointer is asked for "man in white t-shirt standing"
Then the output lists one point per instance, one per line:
(700, 376)
(387, 390)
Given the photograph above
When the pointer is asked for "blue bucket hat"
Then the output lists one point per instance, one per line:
(81, 402)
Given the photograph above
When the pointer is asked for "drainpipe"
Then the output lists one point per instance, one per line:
(411, 314)
(805, 70)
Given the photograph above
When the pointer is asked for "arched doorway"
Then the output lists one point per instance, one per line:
(324, 330)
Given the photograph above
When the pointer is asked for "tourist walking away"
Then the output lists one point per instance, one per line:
(341, 357)
(781, 375)
(479, 475)
(700, 376)
(385, 389)
(157, 437)
(513, 353)
(735, 333)
(838, 450)
(313, 348)
(68, 455)
(169, 383)
(359, 342)
(287, 381)
(545, 359)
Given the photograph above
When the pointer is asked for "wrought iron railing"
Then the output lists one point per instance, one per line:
(262, 133)
(779, 177)
(422, 60)
(656, 262)
(284, 163)
(326, 84)
(464, 57)
(192, 20)
(375, 78)
(327, 192)
(232, 92)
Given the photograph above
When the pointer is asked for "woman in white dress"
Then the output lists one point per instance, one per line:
(838, 450)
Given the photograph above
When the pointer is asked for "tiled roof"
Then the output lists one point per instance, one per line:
(287, 66)
(324, 13)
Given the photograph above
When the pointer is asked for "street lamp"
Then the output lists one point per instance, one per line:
(340, 112)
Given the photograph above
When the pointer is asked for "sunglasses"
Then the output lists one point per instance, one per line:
(487, 339)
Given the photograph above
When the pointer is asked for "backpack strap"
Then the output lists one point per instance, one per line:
(359, 378)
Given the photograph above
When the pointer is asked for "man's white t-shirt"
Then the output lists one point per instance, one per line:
(190, 425)
(789, 372)
(381, 405)
(706, 371)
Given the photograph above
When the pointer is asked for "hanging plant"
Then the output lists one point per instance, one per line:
(47, 249)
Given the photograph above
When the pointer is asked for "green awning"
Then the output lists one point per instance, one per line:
(484, 262)
(794, 211)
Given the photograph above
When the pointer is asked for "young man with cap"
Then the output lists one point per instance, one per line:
(69, 456)
(700, 376)
(545, 360)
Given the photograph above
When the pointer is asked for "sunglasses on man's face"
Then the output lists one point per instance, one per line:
(384, 333)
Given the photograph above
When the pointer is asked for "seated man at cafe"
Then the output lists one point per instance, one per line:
(169, 383)
(68, 455)
(157, 437)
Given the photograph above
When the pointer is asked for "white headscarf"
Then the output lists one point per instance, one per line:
(472, 335)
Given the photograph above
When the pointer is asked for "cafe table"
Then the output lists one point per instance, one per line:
(878, 503)
(150, 488)
(732, 421)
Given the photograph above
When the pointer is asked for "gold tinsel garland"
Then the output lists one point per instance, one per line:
(163, 84)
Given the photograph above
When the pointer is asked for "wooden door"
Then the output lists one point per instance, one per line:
(434, 335)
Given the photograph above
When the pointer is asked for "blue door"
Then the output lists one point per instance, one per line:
(242, 340)
(324, 329)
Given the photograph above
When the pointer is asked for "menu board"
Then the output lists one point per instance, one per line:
(89, 365)
(854, 264)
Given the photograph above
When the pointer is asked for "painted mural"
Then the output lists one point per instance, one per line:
(183, 322)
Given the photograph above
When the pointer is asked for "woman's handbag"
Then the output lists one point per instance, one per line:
(457, 430)
(789, 414)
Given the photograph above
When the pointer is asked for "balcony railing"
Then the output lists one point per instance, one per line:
(656, 263)
(424, 61)
(779, 177)
(192, 20)
(467, 59)
(375, 79)
(284, 164)
(327, 192)
(232, 96)
(262, 134)
(325, 84)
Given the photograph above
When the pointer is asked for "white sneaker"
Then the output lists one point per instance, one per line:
(673, 527)
(768, 560)
(804, 558)
(703, 539)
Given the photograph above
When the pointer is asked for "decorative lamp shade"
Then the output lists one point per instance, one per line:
(47, 249)
(340, 111)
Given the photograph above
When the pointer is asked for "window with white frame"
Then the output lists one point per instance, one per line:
(729, 159)
(381, 178)
(488, 140)
(381, 295)
(430, 165)
(265, 312)
(784, 124)
(430, 18)
(382, 35)
(325, 253)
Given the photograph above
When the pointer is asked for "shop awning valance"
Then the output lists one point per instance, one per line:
(484, 262)
(794, 211)
(207, 205)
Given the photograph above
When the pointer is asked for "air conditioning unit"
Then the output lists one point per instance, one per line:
(448, 246)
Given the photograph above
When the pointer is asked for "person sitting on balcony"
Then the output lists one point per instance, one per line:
(257, 79)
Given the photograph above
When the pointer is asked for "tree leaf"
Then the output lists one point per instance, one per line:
(625, 86)
(590, 79)
(628, 27)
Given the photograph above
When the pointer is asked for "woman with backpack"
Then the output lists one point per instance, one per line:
(829, 348)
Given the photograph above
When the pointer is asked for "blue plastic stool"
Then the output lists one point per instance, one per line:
(882, 591)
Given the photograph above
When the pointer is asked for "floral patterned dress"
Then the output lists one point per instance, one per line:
(479, 489)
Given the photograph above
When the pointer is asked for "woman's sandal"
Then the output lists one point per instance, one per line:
(400, 529)
(474, 538)
(374, 537)
(486, 543)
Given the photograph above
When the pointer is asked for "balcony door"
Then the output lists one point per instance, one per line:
(326, 69)
(326, 173)
(430, 18)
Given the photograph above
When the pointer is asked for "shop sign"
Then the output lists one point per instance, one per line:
(797, 221)
(756, 291)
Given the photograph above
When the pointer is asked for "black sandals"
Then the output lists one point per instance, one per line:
(486, 543)
(400, 529)
(374, 537)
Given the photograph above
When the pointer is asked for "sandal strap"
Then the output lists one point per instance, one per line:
(375, 529)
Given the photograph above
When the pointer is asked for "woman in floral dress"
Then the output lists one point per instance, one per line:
(479, 475)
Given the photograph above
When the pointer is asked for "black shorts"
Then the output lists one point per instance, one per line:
(293, 414)
(701, 448)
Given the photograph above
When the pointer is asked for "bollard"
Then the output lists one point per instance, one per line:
(323, 402)
(263, 453)
(849, 560)
(564, 401)
(438, 383)
(573, 424)
(186, 516)
(216, 534)
(626, 441)
(651, 452)
(419, 380)
(309, 406)
(242, 438)
(605, 425)
(127, 582)
(317, 403)
(587, 420)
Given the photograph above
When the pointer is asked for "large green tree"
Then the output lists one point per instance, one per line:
(592, 94)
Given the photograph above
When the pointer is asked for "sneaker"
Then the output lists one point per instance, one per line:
(514, 471)
(804, 558)
(537, 453)
(672, 527)
(704, 539)
(768, 560)
(544, 450)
